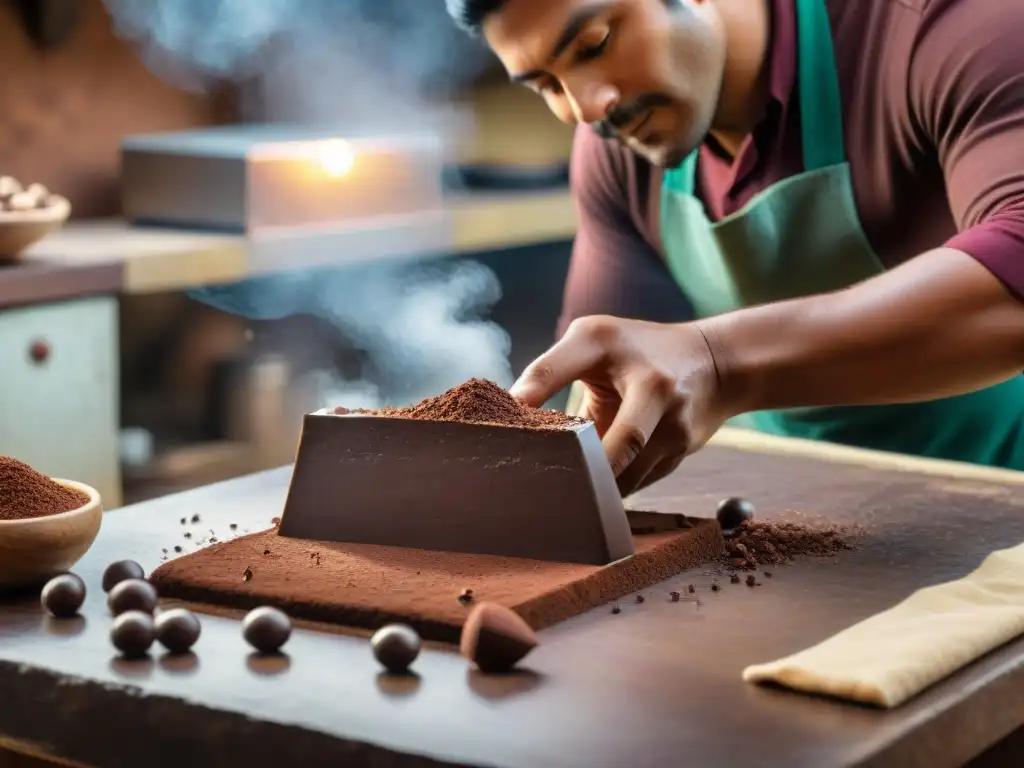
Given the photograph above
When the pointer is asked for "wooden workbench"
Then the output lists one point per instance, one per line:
(148, 260)
(657, 685)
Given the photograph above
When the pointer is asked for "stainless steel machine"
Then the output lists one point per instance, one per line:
(254, 178)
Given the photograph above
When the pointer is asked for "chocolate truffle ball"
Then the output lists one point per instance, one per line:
(734, 512)
(63, 595)
(396, 647)
(132, 595)
(132, 633)
(496, 638)
(122, 570)
(177, 630)
(266, 629)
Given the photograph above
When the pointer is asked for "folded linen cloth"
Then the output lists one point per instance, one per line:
(894, 655)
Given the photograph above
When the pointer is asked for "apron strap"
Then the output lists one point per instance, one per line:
(821, 112)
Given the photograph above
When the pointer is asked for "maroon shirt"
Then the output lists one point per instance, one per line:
(933, 107)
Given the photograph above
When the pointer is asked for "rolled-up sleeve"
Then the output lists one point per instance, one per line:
(966, 91)
(614, 270)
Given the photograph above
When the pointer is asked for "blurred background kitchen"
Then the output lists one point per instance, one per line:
(275, 205)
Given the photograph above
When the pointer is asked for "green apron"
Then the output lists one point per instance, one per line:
(803, 236)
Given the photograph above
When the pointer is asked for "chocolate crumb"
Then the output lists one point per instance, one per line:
(183, 521)
(691, 589)
(164, 550)
(639, 598)
(266, 551)
(760, 543)
(233, 526)
(213, 539)
(247, 574)
(466, 596)
(751, 581)
(616, 609)
(734, 579)
(767, 574)
(188, 535)
(715, 587)
(177, 548)
(195, 518)
(674, 596)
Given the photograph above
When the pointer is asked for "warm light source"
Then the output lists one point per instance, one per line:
(337, 157)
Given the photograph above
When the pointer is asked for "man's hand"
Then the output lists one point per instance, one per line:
(651, 389)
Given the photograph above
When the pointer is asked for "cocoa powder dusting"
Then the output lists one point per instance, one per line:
(26, 493)
(477, 401)
(760, 543)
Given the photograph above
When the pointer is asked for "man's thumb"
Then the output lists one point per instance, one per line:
(556, 369)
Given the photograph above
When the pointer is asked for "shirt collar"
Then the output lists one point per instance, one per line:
(782, 66)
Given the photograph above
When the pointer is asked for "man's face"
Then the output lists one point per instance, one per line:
(647, 72)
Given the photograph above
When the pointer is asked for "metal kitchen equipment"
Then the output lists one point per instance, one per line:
(248, 178)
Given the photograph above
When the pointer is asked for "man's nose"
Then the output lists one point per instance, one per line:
(592, 103)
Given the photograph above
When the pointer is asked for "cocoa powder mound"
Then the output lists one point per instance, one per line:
(477, 401)
(26, 493)
(760, 543)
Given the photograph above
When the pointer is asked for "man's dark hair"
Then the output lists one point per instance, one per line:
(470, 14)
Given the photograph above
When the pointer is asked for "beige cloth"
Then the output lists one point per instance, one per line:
(892, 656)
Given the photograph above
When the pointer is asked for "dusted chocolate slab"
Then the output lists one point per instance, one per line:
(539, 493)
(365, 586)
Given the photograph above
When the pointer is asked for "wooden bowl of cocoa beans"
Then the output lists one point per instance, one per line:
(27, 214)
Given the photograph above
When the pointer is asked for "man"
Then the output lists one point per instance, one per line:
(836, 189)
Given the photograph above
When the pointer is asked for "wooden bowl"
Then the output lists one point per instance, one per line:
(20, 229)
(34, 550)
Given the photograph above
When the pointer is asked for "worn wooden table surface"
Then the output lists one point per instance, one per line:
(657, 685)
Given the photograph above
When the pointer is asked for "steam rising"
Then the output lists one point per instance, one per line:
(422, 326)
(352, 64)
(337, 61)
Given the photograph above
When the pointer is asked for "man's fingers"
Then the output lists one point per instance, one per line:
(638, 417)
(632, 477)
(661, 470)
(565, 362)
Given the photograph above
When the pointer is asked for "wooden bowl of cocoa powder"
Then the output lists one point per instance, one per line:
(46, 524)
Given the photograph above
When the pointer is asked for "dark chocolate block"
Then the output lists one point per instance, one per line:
(544, 494)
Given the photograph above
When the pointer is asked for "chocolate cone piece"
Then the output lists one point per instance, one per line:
(496, 638)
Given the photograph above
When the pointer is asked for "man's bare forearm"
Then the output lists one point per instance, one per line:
(936, 326)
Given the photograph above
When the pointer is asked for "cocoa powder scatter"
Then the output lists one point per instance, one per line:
(26, 493)
(758, 543)
(477, 401)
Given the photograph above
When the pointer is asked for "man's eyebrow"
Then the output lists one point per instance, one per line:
(572, 28)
